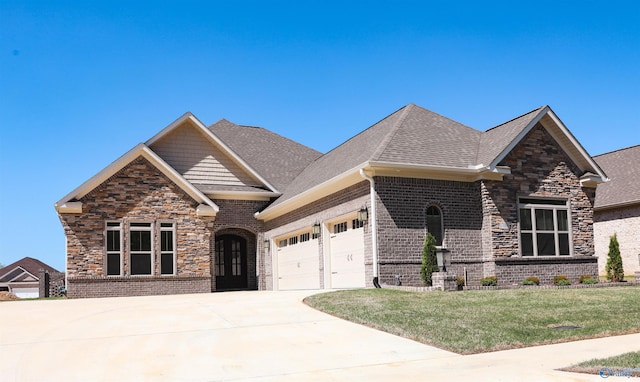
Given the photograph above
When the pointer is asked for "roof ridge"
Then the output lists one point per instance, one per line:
(617, 150)
(392, 132)
(513, 119)
(361, 132)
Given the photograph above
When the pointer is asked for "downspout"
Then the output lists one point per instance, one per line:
(374, 226)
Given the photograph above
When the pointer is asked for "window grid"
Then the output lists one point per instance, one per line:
(140, 248)
(167, 248)
(544, 228)
(340, 227)
(356, 223)
(114, 248)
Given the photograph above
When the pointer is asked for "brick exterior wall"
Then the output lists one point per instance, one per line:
(511, 271)
(136, 286)
(625, 222)
(402, 205)
(138, 192)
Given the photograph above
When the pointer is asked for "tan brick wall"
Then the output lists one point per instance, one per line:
(625, 222)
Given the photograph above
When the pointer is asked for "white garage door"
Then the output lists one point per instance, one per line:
(347, 254)
(298, 262)
(26, 292)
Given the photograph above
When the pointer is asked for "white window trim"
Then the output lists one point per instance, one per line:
(107, 228)
(534, 231)
(174, 252)
(150, 228)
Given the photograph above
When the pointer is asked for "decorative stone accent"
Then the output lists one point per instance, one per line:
(142, 193)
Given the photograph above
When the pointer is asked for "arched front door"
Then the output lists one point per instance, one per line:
(231, 262)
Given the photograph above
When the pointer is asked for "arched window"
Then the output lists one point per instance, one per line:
(434, 224)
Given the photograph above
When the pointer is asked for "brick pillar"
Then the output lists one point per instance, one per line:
(445, 280)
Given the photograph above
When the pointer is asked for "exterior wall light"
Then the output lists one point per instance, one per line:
(315, 229)
(363, 214)
(441, 257)
(266, 244)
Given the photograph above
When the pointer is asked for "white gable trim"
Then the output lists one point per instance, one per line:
(520, 136)
(583, 155)
(214, 139)
(65, 205)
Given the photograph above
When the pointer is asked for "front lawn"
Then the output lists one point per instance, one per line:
(624, 365)
(479, 321)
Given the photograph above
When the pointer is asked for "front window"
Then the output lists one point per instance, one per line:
(140, 248)
(544, 227)
(167, 248)
(114, 249)
(434, 224)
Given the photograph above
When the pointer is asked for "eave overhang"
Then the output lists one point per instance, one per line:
(378, 168)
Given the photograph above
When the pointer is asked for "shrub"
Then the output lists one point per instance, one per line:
(615, 272)
(561, 280)
(489, 281)
(531, 280)
(587, 279)
(460, 282)
(429, 261)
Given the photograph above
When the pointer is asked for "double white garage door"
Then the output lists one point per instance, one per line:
(299, 261)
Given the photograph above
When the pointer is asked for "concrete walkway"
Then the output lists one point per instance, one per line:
(251, 336)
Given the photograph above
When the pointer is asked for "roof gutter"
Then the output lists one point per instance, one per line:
(374, 226)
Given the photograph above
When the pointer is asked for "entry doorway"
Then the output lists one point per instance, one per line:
(231, 262)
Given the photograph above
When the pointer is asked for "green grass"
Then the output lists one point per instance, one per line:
(613, 364)
(478, 321)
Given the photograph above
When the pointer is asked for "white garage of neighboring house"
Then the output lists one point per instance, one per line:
(299, 263)
(22, 277)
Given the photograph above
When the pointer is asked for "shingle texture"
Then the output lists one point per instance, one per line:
(623, 169)
(412, 135)
(29, 264)
(278, 159)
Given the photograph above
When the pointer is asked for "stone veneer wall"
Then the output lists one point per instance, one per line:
(625, 222)
(138, 192)
(402, 204)
(539, 168)
(346, 201)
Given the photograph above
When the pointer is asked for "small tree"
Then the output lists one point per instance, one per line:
(615, 272)
(429, 261)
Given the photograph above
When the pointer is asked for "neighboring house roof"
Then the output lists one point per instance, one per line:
(415, 140)
(623, 168)
(26, 269)
(278, 159)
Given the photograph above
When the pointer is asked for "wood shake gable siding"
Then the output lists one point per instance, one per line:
(200, 161)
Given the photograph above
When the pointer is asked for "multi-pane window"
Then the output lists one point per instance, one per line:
(356, 223)
(282, 243)
(434, 224)
(140, 252)
(167, 248)
(304, 237)
(236, 258)
(114, 249)
(544, 227)
(340, 227)
(220, 257)
(293, 240)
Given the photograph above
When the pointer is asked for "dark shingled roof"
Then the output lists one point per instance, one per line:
(411, 135)
(276, 158)
(623, 169)
(29, 264)
(495, 140)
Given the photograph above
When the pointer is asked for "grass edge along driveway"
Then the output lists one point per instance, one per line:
(472, 322)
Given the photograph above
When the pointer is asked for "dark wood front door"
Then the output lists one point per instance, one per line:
(231, 262)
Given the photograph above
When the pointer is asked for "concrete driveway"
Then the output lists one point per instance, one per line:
(245, 336)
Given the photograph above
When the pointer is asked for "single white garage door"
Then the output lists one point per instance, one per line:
(26, 292)
(347, 254)
(298, 263)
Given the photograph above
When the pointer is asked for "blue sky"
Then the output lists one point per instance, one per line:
(82, 82)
